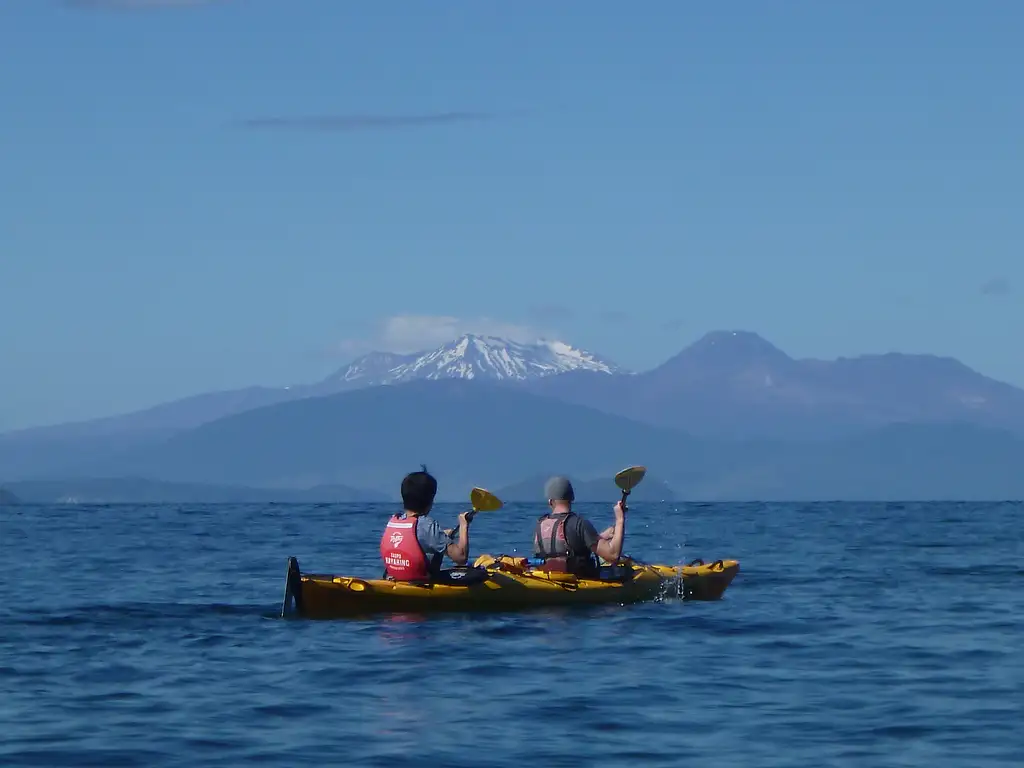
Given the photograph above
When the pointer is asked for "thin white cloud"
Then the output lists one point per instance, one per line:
(997, 286)
(416, 333)
(345, 123)
(136, 5)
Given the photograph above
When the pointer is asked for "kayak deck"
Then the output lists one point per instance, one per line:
(500, 583)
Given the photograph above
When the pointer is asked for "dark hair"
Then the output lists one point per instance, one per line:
(418, 490)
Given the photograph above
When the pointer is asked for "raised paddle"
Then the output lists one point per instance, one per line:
(628, 479)
(483, 501)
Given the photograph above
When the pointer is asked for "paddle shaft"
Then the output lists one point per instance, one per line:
(627, 480)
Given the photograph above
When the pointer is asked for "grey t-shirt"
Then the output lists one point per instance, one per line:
(580, 535)
(432, 537)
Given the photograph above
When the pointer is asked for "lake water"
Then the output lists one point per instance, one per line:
(854, 635)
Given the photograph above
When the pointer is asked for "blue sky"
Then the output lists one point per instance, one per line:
(208, 195)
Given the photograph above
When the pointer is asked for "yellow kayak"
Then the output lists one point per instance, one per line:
(501, 583)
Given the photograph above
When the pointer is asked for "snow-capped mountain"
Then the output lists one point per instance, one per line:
(373, 366)
(475, 357)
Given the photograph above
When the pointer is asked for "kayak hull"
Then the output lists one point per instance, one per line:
(500, 584)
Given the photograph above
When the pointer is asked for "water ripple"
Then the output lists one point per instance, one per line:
(882, 635)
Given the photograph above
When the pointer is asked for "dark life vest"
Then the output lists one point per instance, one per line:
(552, 545)
(404, 558)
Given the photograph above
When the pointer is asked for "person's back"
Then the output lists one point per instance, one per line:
(413, 544)
(567, 541)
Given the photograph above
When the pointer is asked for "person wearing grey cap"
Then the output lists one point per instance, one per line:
(568, 542)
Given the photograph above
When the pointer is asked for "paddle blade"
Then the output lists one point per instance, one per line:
(484, 501)
(630, 478)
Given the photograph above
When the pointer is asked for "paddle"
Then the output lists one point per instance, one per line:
(483, 501)
(628, 479)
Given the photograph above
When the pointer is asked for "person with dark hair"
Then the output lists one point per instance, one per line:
(414, 545)
(566, 541)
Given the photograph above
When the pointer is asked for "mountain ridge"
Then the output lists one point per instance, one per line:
(492, 435)
(475, 356)
(736, 385)
(139, 490)
(728, 385)
(338, 433)
(586, 489)
(523, 360)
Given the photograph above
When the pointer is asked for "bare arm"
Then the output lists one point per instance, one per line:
(458, 551)
(610, 548)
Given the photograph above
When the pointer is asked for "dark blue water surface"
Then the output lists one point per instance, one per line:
(855, 635)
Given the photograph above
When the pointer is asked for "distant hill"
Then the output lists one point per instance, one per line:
(468, 433)
(476, 433)
(728, 385)
(52, 450)
(737, 385)
(7, 498)
(730, 416)
(55, 450)
(897, 462)
(119, 490)
(593, 489)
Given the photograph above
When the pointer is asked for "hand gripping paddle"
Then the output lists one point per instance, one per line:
(628, 479)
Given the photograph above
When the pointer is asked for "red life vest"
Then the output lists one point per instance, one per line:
(404, 558)
(549, 538)
(551, 544)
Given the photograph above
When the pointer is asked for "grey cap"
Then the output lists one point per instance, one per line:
(559, 488)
